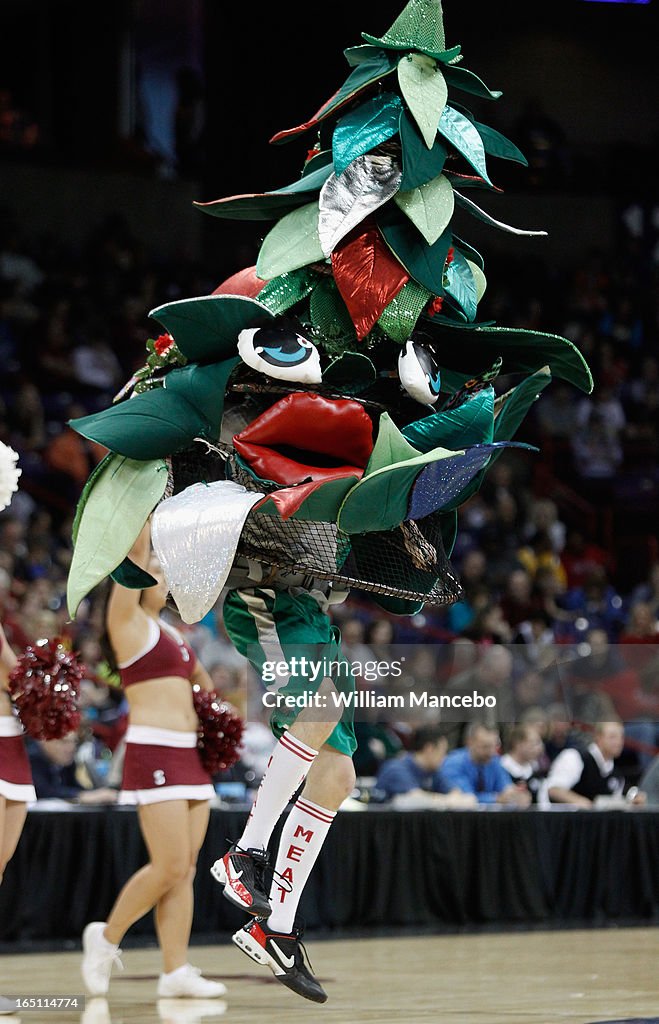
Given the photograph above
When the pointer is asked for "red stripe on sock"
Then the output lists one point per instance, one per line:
(316, 813)
(294, 749)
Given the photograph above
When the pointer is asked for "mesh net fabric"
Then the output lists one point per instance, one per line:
(408, 562)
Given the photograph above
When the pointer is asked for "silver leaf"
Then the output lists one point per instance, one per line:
(366, 184)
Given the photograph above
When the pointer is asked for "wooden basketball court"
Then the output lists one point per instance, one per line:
(513, 978)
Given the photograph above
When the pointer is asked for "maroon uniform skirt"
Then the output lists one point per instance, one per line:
(15, 772)
(161, 764)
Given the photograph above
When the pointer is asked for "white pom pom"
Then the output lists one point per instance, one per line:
(9, 474)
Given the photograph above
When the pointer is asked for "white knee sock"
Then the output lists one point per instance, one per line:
(302, 837)
(287, 769)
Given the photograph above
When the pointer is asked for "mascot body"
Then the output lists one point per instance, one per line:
(314, 425)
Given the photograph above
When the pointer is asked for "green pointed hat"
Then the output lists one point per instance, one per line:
(420, 27)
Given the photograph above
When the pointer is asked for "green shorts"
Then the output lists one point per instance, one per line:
(272, 627)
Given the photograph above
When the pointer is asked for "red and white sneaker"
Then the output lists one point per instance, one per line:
(242, 873)
(283, 954)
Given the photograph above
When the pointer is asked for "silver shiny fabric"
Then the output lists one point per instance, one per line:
(366, 184)
(195, 535)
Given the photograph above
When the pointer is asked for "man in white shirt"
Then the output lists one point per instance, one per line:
(579, 776)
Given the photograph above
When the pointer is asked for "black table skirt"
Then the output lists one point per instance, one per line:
(378, 868)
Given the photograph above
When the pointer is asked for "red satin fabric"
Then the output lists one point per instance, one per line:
(312, 424)
(367, 274)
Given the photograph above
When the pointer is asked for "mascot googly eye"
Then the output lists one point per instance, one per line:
(280, 351)
(419, 373)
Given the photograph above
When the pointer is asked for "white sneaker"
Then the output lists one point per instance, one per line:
(98, 959)
(97, 1011)
(187, 981)
(7, 1005)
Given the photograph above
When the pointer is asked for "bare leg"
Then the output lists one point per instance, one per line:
(330, 780)
(165, 829)
(12, 819)
(175, 907)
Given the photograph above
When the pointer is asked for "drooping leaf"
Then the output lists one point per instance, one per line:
(497, 144)
(480, 214)
(461, 78)
(124, 494)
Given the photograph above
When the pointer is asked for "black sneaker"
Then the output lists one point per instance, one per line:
(283, 954)
(242, 873)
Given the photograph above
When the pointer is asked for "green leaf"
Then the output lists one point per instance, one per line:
(479, 278)
(420, 164)
(462, 134)
(472, 422)
(207, 327)
(497, 144)
(461, 286)
(480, 214)
(424, 89)
(429, 207)
(466, 80)
(291, 244)
(423, 262)
(118, 505)
(399, 318)
(158, 423)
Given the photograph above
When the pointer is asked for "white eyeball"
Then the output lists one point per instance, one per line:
(280, 352)
(419, 373)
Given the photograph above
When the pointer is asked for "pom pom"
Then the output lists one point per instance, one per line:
(9, 474)
(220, 731)
(45, 685)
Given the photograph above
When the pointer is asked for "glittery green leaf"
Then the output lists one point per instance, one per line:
(429, 207)
(420, 164)
(424, 90)
(399, 318)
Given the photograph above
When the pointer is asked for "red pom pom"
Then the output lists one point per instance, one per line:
(220, 731)
(45, 685)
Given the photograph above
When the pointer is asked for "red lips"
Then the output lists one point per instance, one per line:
(307, 437)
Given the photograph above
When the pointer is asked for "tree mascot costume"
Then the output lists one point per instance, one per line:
(314, 425)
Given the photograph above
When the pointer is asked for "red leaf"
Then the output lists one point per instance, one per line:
(367, 275)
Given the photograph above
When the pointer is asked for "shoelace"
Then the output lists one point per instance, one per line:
(301, 953)
(262, 864)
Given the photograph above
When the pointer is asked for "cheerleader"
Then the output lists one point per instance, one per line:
(164, 778)
(16, 789)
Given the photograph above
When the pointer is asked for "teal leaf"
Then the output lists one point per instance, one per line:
(462, 134)
(467, 81)
(460, 285)
(364, 128)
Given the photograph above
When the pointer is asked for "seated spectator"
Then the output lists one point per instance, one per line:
(416, 775)
(477, 769)
(53, 765)
(580, 775)
(522, 759)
